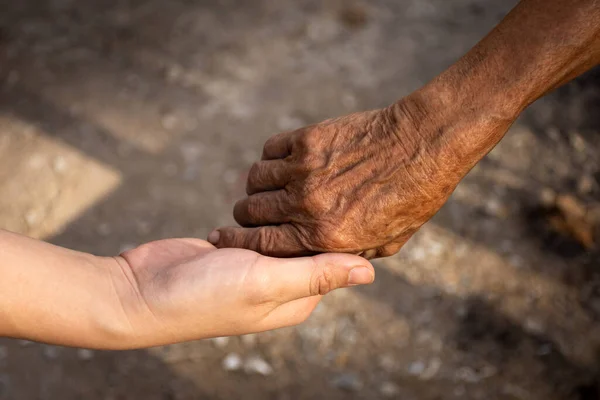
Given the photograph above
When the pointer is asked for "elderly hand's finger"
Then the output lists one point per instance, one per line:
(274, 241)
(279, 146)
(296, 278)
(267, 208)
(268, 175)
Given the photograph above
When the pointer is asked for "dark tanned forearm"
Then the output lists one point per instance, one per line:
(368, 181)
(540, 45)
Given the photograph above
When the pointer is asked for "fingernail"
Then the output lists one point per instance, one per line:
(214, 237)
(360, 276)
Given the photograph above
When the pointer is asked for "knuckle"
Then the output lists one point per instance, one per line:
(228, 238)
(311, 138)
(253, 176)
(331, 237)
(322, 281)
(316, 204)
(254, 207)
(311, 163)
(270, 143)
(264, 241)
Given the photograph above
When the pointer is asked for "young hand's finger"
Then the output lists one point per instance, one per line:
(296, 278)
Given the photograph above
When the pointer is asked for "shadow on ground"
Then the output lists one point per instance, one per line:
(161, 195)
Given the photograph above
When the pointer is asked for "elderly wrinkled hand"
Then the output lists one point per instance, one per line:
(366, 182)
(361, 184)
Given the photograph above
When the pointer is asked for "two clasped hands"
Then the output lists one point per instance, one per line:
(322, 201)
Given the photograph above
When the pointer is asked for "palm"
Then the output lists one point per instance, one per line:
(190, 290)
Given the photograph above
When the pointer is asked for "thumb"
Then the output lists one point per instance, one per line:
(296, 278)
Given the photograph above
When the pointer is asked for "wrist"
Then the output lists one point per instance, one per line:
(130, 323)
(463, 120)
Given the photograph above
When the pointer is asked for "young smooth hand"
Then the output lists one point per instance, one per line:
(184, 289)
(162, 292)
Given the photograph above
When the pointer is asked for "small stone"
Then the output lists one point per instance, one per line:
(231, 176)
(432, 369)
(33, 217)
(143, 227)
(257, 365)
(190, 173)
(3, 355)
(586, 185)
(466, 374)
(322, 29)
(190, 124)
(389, 389)
(191, 152)
(59, 164)
(354, 17)
(289, 123)
(346, 331)
(495, 208)
(388, 363)
(488, 371)
(459, 391)
(516, 261)
(462, 311)
(544, 350)
(469, 375)
(571, 206)
(436, 249)
(577, 141)
(249, 340)
(221, 342)
(170, 169)
(51, 352)
(310, 332)
(174, 72)
(36, 161)
(547, 197)
(348, 381)
(416, 368)
(250, 156)
(85, 354)
(553, 133)
(104, 229)
(4, 385)
(232, 362)
(516, 392)
(169, 121)
(126, 247)
(13, 78)
(507, 246)
(349, 101)
(534, 326)
(242, 111)
(417, 254)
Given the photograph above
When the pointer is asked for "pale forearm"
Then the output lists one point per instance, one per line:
(56, 295)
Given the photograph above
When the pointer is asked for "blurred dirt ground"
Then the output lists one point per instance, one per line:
(127, 121)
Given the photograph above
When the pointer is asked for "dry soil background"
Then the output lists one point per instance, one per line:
(127, 121)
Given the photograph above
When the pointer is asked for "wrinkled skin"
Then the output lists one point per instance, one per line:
(365, 183)
(360, 184)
